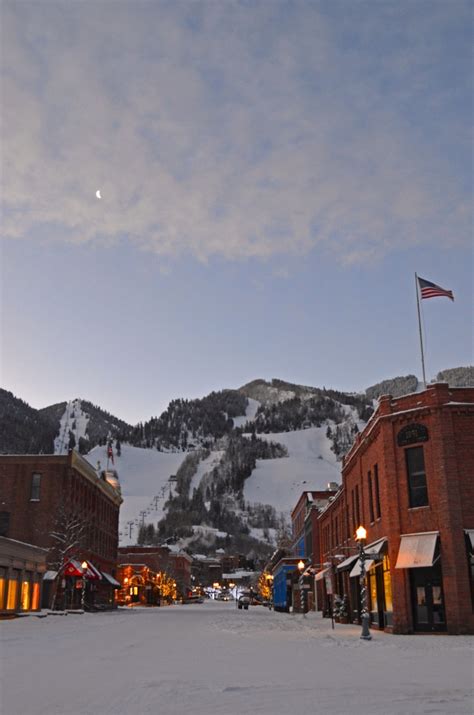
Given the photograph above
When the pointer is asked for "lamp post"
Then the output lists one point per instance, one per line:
(361, 535)
(300, 584)
(83, 594)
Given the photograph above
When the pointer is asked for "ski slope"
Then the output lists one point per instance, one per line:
(311, 465)
(144, 476)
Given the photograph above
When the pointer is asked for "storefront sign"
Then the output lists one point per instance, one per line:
(411, 434)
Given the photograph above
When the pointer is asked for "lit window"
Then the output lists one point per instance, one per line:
(25, 596)
(12, 594)
(35, 598)
(35, 487)
(2, 589)
(387, 584)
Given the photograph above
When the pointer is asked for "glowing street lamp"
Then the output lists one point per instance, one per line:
(361, 535)
(300, 566)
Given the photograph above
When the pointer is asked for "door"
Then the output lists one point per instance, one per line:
(427, 600)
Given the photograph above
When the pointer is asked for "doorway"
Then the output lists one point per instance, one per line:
(427, 599)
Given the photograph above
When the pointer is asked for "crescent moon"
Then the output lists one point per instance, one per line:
(97, 193)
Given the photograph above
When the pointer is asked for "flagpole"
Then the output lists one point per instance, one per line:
(419, 328)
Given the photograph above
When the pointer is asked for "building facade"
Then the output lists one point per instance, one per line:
(63, 505)
(409, 479)
(21, 572)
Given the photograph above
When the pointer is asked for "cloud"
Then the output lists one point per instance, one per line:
(235, 130)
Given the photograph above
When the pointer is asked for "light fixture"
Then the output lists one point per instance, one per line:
(300, 565)
(361, 533)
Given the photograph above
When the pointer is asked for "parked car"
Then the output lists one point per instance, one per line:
(193, 599)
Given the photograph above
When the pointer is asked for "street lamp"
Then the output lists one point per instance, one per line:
(301, 566)
(83, 594)
(361, 535)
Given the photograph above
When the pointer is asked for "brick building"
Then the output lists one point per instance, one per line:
(42, 494)
(21, 573)
(160, 560)
(409, 479)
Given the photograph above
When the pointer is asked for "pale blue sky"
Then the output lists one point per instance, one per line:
(272, 173)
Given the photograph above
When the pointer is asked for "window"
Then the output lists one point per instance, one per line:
(417, 490)
(26, 593)
(357, 504)
(2, 588)
(4, 522)
(12, 597)
(35, 597)
(35, 487)
(377, 491)
(387, 584)
(371, 498)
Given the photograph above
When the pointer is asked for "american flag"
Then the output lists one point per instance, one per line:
(431, 290)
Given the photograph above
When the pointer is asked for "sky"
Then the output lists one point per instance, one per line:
(272, 176)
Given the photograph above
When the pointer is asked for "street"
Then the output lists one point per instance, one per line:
(211, 658)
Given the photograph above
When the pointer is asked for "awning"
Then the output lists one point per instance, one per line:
(110, 579)
(417, 550)
(49, 575)
(319, 576)
(470, 533)
(373, 549)
(368, 563)
(73, 568)
(347, 563)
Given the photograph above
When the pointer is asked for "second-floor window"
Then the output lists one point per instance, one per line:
(35, 487)
(377, 491)
(371, 497)
(417, 489)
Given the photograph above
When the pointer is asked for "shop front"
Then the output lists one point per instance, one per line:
(419, 554)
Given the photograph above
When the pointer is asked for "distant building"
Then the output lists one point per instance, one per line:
(45, 494)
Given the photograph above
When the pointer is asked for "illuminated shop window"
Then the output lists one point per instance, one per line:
(35, 597)
(25, 596)
(3, 583)
(12, 594)
(387, 584)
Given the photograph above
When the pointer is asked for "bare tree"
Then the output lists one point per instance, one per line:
(68, 540)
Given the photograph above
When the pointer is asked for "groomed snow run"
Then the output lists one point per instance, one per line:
(212, 659)
(310, 465)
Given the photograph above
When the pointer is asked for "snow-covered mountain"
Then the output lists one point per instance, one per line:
(221, 471)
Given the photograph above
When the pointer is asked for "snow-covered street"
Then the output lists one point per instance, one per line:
(212, 659)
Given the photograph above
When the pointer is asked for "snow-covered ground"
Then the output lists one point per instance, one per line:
(144, 478)
(310, 465)
(213, 659)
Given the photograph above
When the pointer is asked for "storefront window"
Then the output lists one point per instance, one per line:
(387, 584)
(373, 590)
(26, 593)
(35, 597)
(12, 592)
(2, 588)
